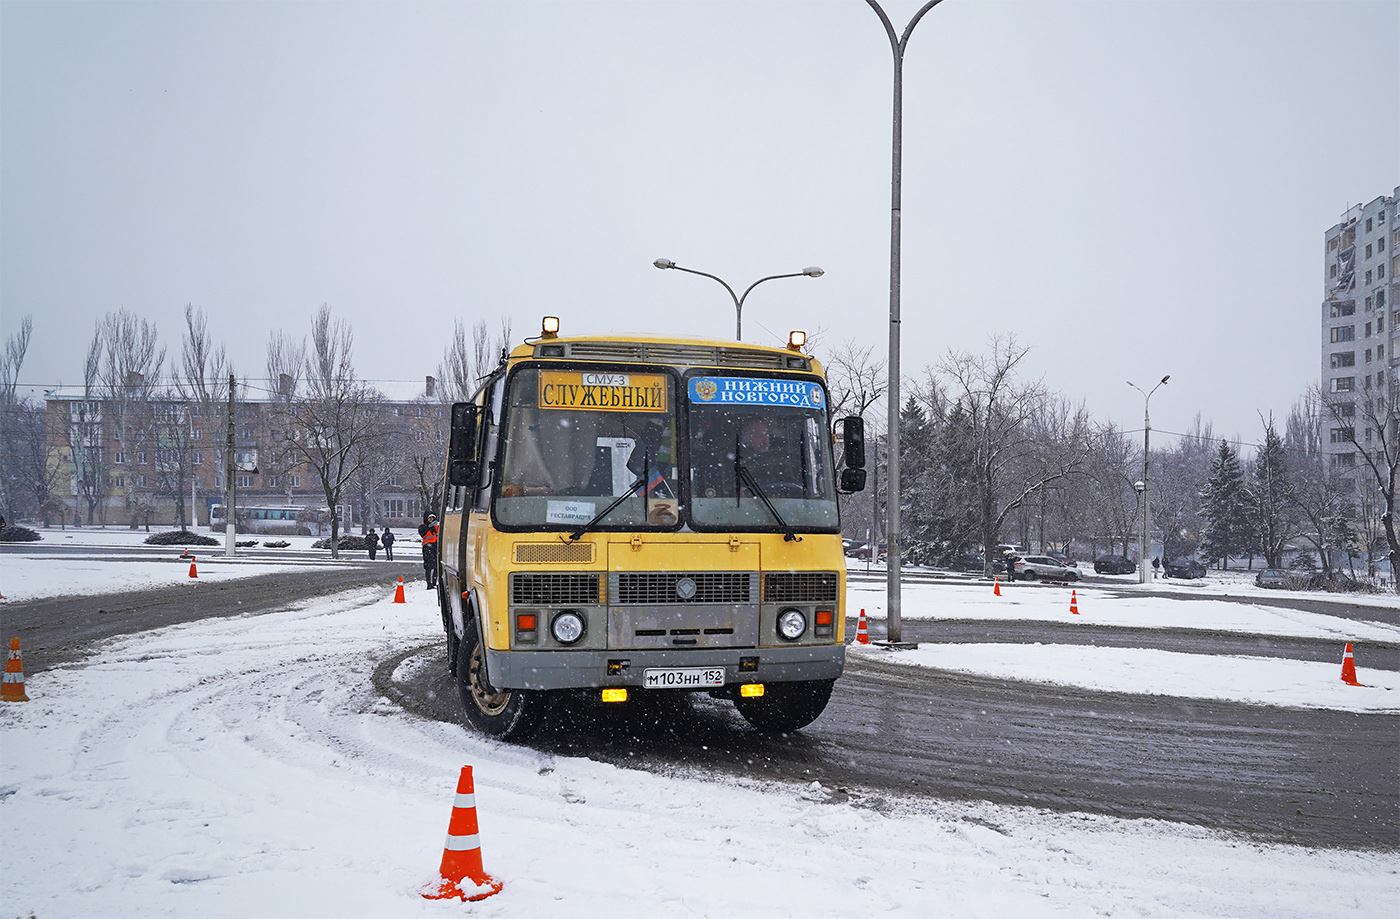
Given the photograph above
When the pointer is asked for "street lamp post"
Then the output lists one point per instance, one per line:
(892, 522)
(810, 272)
(1144, 570)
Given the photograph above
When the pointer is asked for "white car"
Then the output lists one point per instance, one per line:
(1035, 567)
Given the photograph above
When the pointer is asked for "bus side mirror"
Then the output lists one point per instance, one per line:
(853, 454)
(463, 466)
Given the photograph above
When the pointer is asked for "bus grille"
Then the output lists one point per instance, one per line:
(801, 587)
(660, 587)
(527, 589)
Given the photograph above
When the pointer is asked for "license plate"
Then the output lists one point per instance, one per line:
(683, 678)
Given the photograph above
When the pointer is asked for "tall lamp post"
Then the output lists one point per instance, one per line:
(892, 523)
(812, 272)
(1144, 569)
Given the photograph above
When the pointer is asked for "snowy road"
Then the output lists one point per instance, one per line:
(245, 767)
(1317, 777)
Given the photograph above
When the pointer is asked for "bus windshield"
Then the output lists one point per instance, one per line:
(587, 449)
(578, 442)
(753, 439)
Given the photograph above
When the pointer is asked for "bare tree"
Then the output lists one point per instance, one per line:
(10, 408)
(1180, 476)
(130, 375)
(332, 427)
(84, 435)
(286, 361)
(1112, 502)
(1371, 424)
(1009, 464)
(856, 381)
(464, 366)
(1317, 490)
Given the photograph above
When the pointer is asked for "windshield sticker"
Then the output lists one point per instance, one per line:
(579, 512)
(603, 392)
(752, 391)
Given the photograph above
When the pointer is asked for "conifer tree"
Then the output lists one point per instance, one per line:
(1274, 510)
(1225, 505)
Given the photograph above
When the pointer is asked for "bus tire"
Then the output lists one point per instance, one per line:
(785, 707)
(509, 714)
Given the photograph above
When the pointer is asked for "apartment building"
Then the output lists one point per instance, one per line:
(160, 460)
(1360, 323)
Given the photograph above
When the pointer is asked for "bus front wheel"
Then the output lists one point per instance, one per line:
(510, 714)
(785, 707)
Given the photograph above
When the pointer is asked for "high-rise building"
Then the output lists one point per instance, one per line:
(1361, 327)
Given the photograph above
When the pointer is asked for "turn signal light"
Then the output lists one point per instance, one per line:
(615, 695)
(526, 622)
(823, 617)
(751, 690)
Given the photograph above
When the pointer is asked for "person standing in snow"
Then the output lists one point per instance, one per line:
(429, 533)
(372, 543)
(388, 540)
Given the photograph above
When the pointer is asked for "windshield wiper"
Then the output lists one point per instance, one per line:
(631, 492)
(741, 473)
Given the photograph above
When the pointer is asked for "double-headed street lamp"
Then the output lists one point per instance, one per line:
(893, 597)
(1144, 570)
(812, 272)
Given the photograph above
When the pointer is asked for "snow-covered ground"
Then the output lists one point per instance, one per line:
(31, 570)
(245, 767)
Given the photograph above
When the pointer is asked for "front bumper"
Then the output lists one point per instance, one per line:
(589, 669)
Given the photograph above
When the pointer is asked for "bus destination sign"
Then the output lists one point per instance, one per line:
(603, 392)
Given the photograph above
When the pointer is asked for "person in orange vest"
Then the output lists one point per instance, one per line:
(429, 533)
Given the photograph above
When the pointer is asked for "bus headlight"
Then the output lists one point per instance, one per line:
(791, 624)
(567, 627)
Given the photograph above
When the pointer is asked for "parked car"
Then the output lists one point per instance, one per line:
(967, 563)
(1063, 559)
(1034, 567)
(1271, 577)
(862, 551)
(1185, 568)
(1114, 564)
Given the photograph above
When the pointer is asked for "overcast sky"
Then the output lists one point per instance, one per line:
(1131, 188)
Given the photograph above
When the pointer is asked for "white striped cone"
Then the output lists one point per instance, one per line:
(13, 687)
(461, 854)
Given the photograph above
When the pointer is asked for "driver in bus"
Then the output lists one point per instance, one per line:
(761, 451)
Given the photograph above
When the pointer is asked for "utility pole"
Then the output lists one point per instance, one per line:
(230, 480)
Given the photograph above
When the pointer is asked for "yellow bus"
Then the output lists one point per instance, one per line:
(629, 516)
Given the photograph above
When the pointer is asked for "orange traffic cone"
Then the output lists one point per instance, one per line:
(1074, 602)
(461, 855)
(398, 593)
(12, 690)
(996, 586)
(1348, 667)
(862, 633)
(193, 573)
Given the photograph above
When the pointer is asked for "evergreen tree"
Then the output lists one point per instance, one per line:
(1342, 536)
(1225, 505)
(1274, 509)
